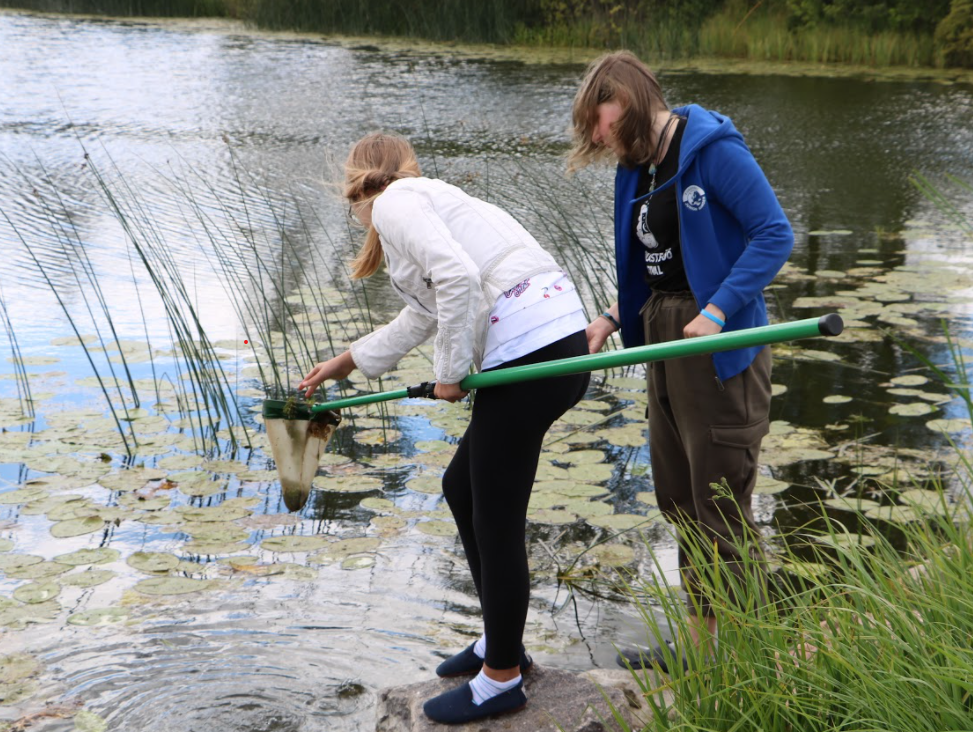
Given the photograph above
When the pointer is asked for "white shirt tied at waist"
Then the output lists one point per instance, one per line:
(536, 312)
(450, 256)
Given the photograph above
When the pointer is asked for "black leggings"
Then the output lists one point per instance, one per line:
(488, 483)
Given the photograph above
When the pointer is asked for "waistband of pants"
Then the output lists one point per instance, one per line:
(658, 299)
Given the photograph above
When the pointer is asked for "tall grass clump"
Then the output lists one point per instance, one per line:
(861, 637)
(129, 8)
(860, 631)
(767, 35)
(17, 357)
(487, 21)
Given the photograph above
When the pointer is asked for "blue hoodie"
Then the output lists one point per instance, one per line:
(732, 230)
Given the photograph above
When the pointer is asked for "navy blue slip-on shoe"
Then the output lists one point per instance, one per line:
(657, 657)
(456, 706)
(466, 662)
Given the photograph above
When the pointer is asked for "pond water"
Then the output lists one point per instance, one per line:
(208, 605)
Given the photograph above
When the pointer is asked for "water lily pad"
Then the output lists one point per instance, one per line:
(155, 503)
(949, 425)
(77, 527)
(437, 528)
(331, 458)
(43, 570)
(426, 484)
(360, 561)
(212, 548)
(570, 488)
(19, 616)
(213, 514)
(554, 517)
(180, 462)
(344, 548)
(377, 436)
(153, 562)
(909, 380)
(858, 505)
(613, 555)
(167, 586)
(434, 445)
(15, 561)
(388, 524)
(295, 543)
(915, 409)
(846, 539)
(581, 417)
(591, 473)
(74, 508)
(99, 617)
(346, 483)
(215, 532)
(648, 497)
(201, 489)
(927, 501)
(895, 514)
(628, 436)
(89, 578)
(836, 399)
(767, 486)
(377, 504)
(24, 495)
(588, 509)
(37, 592)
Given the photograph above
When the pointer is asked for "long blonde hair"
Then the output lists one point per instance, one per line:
(616, 77)
(375, 161)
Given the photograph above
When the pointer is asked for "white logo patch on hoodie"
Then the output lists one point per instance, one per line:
(694, 198)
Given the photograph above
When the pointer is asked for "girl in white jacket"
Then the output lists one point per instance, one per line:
(470, 273)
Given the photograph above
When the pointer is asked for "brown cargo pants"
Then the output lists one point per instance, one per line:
(702, 431)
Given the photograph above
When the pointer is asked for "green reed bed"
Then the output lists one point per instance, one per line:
(767, 38)
(133, 8)
(866, 629)
(489, 21)
(860, 637)
(17, 357)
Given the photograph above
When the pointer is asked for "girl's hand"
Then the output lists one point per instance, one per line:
(598, 331)
(703, 326)
(336, 368)
(449, 392)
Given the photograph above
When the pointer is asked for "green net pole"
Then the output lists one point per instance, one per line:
(828, 325)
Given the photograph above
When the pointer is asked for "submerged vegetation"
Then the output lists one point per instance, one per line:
(917, 33)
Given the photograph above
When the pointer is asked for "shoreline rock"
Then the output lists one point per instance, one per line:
(556, 700)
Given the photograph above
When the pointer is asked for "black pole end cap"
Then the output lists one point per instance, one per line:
(831, 324)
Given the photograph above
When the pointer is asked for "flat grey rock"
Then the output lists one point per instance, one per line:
(554, 698)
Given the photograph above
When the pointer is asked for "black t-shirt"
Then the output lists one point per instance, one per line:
(656, 222)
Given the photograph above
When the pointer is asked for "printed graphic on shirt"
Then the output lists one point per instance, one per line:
(643, 231)
(694, 198)
(517, 290)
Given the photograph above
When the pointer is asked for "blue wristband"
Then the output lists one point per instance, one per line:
(610, 318)
(708, 314)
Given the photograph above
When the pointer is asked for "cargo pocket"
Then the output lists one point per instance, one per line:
(734, 454)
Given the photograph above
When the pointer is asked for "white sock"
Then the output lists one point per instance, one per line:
(484, 687)
(479, 648)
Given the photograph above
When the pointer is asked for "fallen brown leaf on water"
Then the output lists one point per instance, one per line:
(51, 711)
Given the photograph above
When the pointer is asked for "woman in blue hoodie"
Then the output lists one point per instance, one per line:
(699, 234)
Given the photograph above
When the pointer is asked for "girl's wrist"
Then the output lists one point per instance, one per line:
(611, 319)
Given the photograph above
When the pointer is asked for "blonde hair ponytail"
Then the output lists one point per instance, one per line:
(375, 161)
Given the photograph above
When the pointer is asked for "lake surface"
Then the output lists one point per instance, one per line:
(216, 147)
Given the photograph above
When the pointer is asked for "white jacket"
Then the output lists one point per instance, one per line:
(449, 256)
